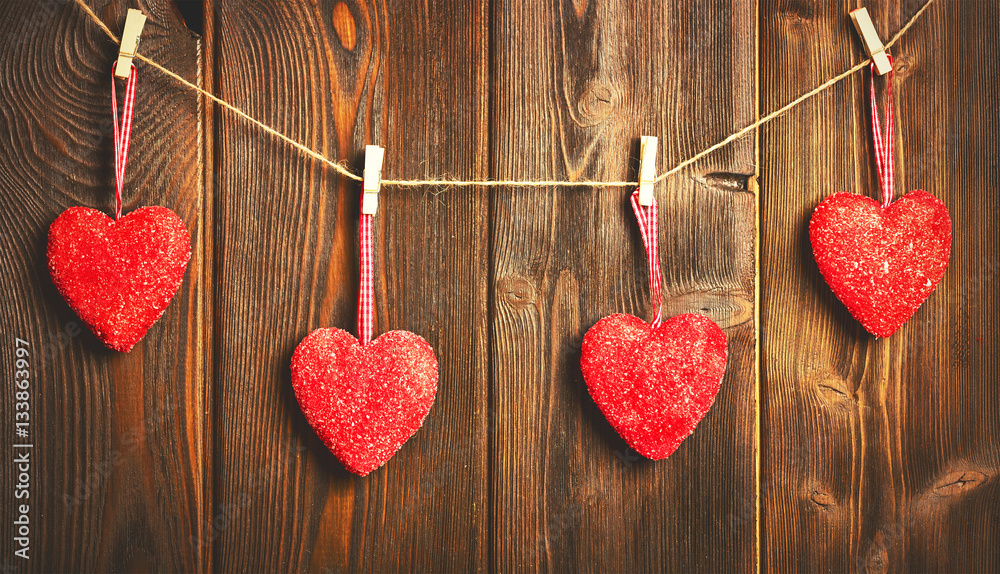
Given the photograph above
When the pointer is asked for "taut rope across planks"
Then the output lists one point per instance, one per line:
(340, 168)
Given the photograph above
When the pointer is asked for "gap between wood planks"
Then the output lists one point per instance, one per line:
(340, 168)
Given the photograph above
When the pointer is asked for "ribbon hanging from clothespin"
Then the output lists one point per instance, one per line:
(883, 141)
(369, 205)
(134, 22)
(123, 134)
(647, 170)
(869, 37)
(881, 64)
(647, 217)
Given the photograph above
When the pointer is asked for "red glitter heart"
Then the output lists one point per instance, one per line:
(882, 263)
(364, 402)
(119, 275)
(654, 385)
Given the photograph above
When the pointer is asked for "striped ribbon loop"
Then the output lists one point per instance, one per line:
(883, 145)
(650, 239)
(123, 136)
(366, 290)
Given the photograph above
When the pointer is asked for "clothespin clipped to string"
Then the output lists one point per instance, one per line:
(134, 22)
(869, 37)
(372, 179)
(647, 170)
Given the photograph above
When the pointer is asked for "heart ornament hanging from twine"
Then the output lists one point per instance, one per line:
(118, 274)
(364, 397)
(881, 260)
(364, 401)
(654, 382)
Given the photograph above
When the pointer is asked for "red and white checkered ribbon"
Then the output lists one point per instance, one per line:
(883, 145)
(122, 137)
(366, 291)
(650, 238)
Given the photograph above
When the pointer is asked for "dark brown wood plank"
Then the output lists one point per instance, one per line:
(575, 84)
(880, 454)
(119, 462)
(336, 76)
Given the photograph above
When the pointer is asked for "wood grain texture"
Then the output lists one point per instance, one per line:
(881, 455)
(337, 76)
(190, 453)
(119, 460)
(575, 84)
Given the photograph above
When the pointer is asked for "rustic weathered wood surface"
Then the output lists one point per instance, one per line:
(119, 458)
(573, 83)
(346, 76)
(190, 453)
(880, 454)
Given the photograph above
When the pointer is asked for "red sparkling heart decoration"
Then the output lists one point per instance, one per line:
(882, 263)
(654, 385)
(364, 401)
(119, 275)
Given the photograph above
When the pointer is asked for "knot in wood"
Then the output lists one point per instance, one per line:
(726, 308)
(596, 104)
(902, 65)
(731, 182)
(517, 292)
(956, 483)
(344, 26)
(822, 500)
(832, 390)
(877, 558)
(799, 12)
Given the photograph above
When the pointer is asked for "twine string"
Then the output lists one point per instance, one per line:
(122, 136)
(883, 145)
(340, 168)
(648, 228)
(366, 289)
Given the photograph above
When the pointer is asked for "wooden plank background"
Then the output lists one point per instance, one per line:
(573, 83)
(880, 455)
(120, 456)
(846, 453)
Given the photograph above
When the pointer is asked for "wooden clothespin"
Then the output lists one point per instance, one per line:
(134, 22)
(869, 37)
(372, 178)
(647, 169)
